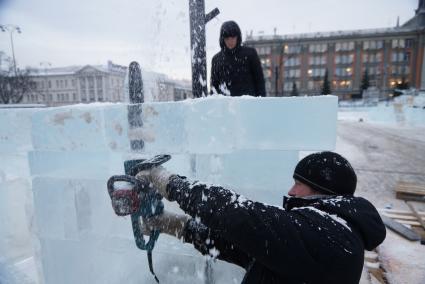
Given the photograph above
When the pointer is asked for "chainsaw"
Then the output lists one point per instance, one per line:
(134, 196)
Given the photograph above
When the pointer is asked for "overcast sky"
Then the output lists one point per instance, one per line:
(156, 32)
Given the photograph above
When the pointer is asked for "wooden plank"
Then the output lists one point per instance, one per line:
(411, 223)
(400, 229)
(410, 196)
(410, 188)
(411, 185)
(416, 214)
(400, 217)
(401, 212)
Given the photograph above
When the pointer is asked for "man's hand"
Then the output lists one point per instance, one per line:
(169, 223)
(158, 178)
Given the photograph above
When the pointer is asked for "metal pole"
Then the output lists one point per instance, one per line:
(198, 20)
(13, 51)
(11, 29)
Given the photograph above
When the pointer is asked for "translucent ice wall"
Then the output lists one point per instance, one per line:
(17, 240)
(248, 144)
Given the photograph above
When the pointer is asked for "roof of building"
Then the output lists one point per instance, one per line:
(332, 34)
(416, 23)
(70, 70)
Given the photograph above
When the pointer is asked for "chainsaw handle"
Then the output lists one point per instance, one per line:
(132, 167)
(127, 178)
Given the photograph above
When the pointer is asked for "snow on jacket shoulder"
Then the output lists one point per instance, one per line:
(310, 241)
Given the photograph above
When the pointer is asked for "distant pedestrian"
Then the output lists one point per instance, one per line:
(236, 70)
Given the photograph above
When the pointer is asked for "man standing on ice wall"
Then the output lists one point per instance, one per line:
(318, 236)
(236, 70)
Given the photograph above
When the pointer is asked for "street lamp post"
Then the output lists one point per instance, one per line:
(11, 29)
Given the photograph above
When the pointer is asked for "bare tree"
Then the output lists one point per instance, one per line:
(13, 87)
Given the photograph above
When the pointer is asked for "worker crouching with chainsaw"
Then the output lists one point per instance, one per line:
(318, 236)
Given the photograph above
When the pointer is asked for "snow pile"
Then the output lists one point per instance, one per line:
(237, 142)
(400, 114)
(419, 101)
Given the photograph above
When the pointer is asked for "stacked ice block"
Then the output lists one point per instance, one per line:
(16, 202)
(248, 144)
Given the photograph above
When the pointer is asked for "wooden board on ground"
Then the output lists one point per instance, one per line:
(400, 229)
(416, 214)
(403, 216)
(410, 191)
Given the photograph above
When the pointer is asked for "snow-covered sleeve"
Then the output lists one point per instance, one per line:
(208, 242)
(264, 233)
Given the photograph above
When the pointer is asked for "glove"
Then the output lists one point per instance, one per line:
(169, 223)
(158, 178)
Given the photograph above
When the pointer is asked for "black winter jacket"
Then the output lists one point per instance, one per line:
(236, 71)
(309, 241)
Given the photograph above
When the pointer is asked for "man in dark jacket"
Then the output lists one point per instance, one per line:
(318, 236)
(236, 69)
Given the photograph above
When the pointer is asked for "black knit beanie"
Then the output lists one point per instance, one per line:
(327, 172)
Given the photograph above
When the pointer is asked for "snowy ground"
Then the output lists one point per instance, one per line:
(382, 155)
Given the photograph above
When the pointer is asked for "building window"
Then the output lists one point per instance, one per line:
(74, 97)
(265, 62)
(288, 85)
(316, 72)
(292, 73)
(400, 70)
(317, 60)
(344, 59)
(66, 83)
(99, 82)
(372, 70)
(90, 82)
(292, 61)
(264, 50)
(409, 43)
(292, 48)
(314, 85)
(341, 72)
(372, 57)
(91, 95)
(343, 85)
(73, 82)
(344, 46)
(398, 43)
(100, 95)
(373, 44)
(318, 48)
(400, 57)
(83, 96)
(82, 83)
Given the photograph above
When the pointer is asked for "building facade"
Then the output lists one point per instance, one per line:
(389, 56)
(87, 84)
